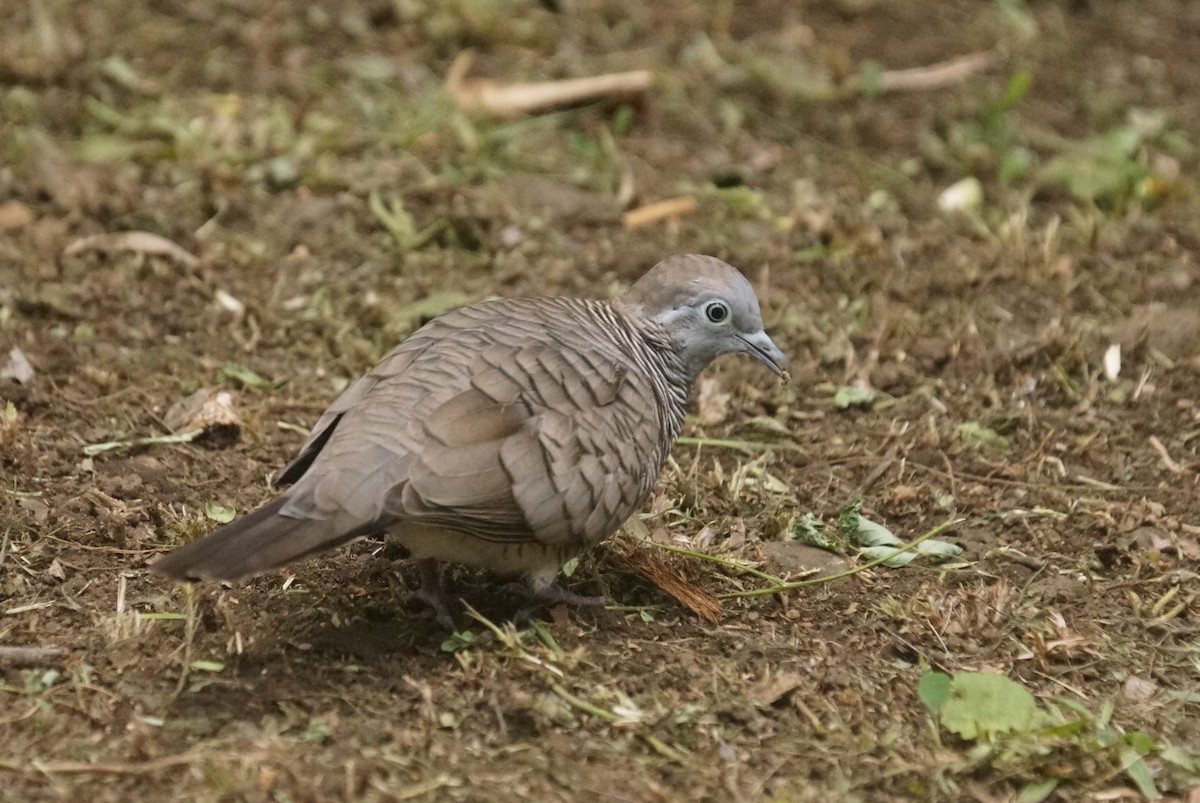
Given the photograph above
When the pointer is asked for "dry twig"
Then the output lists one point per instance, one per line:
(30, 656)
(514, 100)
(660, 210)
(1165, 456)
(933, 76)
(141, 242)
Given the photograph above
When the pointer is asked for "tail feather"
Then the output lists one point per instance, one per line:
(256, 543)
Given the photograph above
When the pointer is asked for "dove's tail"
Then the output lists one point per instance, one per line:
(256, 543)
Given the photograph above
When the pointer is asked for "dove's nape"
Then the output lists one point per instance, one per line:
(508, 435)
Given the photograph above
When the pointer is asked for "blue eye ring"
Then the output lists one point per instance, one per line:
(716, 311)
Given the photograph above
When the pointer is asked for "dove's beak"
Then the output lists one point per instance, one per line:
(762, 348)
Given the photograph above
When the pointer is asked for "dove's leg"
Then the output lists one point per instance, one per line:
(554, 594)
(543, 596)
(433, 593)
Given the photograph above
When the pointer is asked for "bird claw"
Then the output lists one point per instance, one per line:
(442, 605)
(434, 596)
(553, 595)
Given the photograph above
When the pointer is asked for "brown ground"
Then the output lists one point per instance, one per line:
(253, 134)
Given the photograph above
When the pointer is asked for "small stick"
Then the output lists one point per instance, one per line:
(1017, 556)
(30, 656)
(108, 768)
(141, 242)
(1165, 456)
(661, 210)
(876, 474)
(513, 100)
(934, 76)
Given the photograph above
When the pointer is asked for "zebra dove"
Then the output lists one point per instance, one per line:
(509, 435)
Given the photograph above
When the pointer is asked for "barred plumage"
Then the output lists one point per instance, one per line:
(510, 434)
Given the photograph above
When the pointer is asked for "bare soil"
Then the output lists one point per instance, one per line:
(272, 140)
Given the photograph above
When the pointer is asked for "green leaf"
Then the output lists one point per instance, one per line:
(743, 202)
(207, 666)
(938, 549)
(875, 541)
(982, 704)
(410, 316)
(1141, 741)
(811, 254)
(622, 119)
(1103, 168)
(245, 377)
(570, 566)
(766, 427)
(848, 520)
(1181, 758)
(847, 396)
(934, 690)
(870, 77)
(317, 732)
(544, 636)
(974, 432)
(219, 513)
(293, 712)
(119, 70)
(1138, 772)
(1018, 87)
(1037, 791)
(807, 529)
(400, 224)
(889, 554)
(872, 533)
(459, 640)
(1014, 163)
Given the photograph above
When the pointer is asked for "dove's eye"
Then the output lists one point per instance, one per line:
(717, 311)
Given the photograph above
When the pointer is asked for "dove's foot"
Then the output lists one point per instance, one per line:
(551, 595)
(434, 595)
(554, 594)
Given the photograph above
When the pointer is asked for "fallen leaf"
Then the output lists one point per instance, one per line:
(221, 514)
(979, 704)
(848, 396)
(35, 507)
(1138, 690)
(18, 368)
(772, 690)
(141, 242)
(1189, 548)
(413, 315)
(974, 432)
(210, 411)
(14, 215)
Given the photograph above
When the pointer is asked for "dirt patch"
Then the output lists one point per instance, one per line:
(326, 197)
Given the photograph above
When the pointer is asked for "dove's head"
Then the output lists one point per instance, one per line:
(707, 308)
